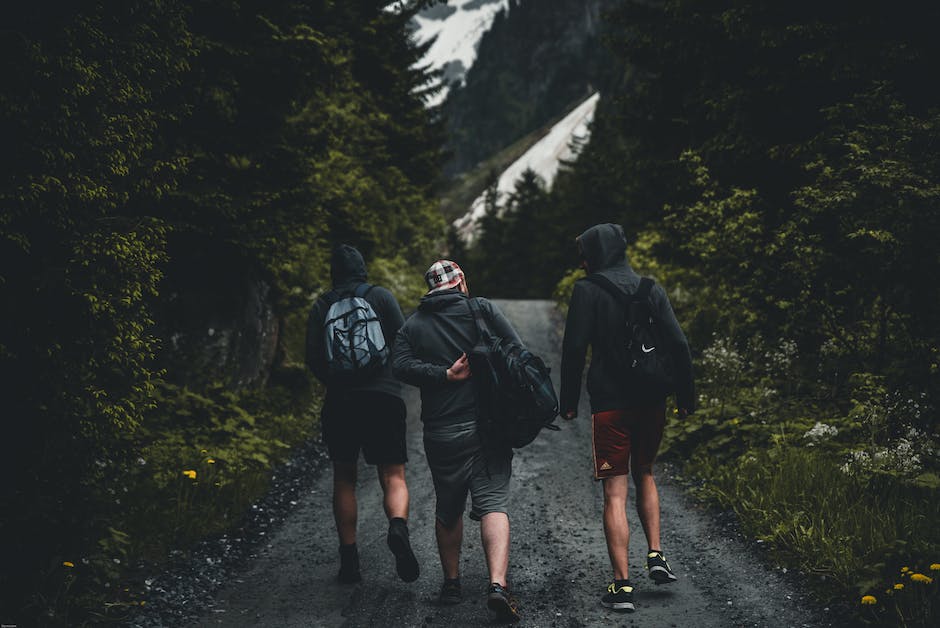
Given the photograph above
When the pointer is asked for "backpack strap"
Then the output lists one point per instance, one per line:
(610, 287)
(642, 292)
(479, 317)
(329, 298)
(332, 296)
(362, 290)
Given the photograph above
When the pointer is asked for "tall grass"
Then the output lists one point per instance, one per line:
(868, 534)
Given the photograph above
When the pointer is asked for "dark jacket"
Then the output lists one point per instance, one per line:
(595, 318)
(431, 340)
(348, 270)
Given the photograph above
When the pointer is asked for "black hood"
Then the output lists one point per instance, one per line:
(603, 246)
(440, 299)
(347, 265)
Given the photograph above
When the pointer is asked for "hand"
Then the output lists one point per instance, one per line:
(570, 414)
(459, 370)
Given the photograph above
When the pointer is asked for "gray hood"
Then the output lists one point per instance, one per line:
(347, 265)
(603, 246)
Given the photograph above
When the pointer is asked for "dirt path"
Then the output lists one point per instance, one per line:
(558, 560)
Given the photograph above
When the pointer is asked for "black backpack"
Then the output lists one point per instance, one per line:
(514, 392)
(647, 360)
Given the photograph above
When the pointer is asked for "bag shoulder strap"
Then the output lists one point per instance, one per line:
(329, 298)
(642, 293)
(362, 289)
(645, 289)
(610, 287)
(479, 317)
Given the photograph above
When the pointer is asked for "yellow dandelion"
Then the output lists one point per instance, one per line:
(905, 569)
(68, 564)
(868, 600)
(919, 577)
(190, 473)
(935, 567)
(203, 451)
(210, 461)
(899, 587)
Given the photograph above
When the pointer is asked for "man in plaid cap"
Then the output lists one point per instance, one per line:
(431, 353)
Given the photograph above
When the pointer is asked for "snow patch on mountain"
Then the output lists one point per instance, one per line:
(561, 144)
(458, 26)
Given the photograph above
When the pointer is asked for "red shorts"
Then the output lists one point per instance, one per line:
(616, 432)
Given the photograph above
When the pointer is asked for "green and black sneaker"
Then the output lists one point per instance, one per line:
(658, 568)
(619, 596)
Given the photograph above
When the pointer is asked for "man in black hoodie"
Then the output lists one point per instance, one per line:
(431, 353)
(627, 424)
(363, 413)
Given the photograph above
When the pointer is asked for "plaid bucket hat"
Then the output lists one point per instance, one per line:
(443, 274)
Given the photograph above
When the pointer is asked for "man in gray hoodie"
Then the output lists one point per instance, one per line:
(366, 413)
(627, 421)
(431, 353)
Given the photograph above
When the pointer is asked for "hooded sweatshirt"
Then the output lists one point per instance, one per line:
(431, 340)
(348, 271)
(595, 318)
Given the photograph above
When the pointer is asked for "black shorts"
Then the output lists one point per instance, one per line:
(371, 421)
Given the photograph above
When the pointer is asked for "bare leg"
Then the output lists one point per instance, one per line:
(392, 480)
(344, 501)
(616, 529)
(647, 504)
(448, 546)
(494, 532)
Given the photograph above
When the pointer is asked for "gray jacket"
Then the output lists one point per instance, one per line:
(431, 340)
(595, 319)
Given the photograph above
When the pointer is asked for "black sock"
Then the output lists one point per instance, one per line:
(621, 583)
(397, 521)
(348, 551)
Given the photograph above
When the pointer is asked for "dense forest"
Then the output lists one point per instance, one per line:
(173, 175)
(777, 167)
(176, 171)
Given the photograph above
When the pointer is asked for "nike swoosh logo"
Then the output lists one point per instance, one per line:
(645, 350)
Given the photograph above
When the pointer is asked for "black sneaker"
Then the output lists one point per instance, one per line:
(450, 592)
(349, 565)
(405, 562)
(659, 569)
(500, 602)
(619, 598)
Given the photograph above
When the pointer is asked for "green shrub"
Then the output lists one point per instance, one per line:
(855, 532)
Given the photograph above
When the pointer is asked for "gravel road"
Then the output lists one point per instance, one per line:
(558, 561)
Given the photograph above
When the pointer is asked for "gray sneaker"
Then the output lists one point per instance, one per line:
(619, 598)
(659, 569)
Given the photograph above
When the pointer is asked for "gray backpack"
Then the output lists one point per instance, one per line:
(355, 344)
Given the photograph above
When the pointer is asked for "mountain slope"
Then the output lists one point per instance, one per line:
(561, 144)
(456, 28)
(536, 61)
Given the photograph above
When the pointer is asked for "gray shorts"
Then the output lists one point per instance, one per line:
(460, 464)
